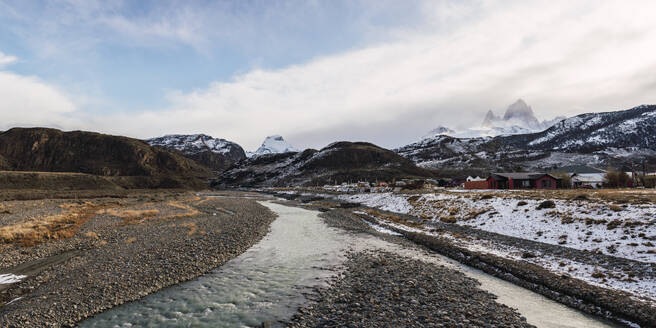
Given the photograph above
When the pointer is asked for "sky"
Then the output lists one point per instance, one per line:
(317, 71)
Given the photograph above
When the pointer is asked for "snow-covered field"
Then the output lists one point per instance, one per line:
(627, 231)
(385, 201)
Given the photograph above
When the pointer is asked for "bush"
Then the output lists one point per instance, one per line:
(565, 181)
(617, 179)
(547, 204)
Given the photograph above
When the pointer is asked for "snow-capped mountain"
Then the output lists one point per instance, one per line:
(440, 130)
(610, 138)
(273, 145)
(194, 143)
(635, 127)
(517, 119)
(214, 153)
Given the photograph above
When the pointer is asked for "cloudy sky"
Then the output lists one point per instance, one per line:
(316, 71)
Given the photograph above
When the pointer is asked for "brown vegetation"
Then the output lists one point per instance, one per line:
(617, 179)
(58, 226)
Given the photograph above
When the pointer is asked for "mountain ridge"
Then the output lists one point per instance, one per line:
(129, 162)
(216, 153)
(604, 138)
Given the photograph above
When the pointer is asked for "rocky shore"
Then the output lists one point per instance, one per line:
(385, 290)
(115, 258)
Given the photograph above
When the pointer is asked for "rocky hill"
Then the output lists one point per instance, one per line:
(217, 154)
(336, 163)
(129, 162)
(609, 138)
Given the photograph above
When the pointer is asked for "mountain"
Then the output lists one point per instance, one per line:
(521, 114)
(273, 145)
(608, 138)
(440, 130)
(217, 154)
(632, 128)
(518, 118)
(336, 163)
(129, 162)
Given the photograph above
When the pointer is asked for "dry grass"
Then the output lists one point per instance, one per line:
(4, 210)
(615, 208)
(193, 228)
(91, 234)
(130, 240)
(59, 226)
(393, 218)
(130, 216)
(190, 211)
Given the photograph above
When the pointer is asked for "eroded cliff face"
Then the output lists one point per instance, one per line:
(51, 150)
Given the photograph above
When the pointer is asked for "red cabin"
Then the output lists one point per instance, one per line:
(531, 180)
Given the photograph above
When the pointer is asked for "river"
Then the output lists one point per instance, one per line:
(268, 282)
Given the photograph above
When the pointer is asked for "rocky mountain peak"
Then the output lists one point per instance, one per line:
(440, 130)
(521, 112)
(490, 118)
(274, 144)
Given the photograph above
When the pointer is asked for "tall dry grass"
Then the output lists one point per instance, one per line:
(37, 230)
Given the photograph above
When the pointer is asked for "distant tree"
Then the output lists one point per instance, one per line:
(617, 179)
(565, 181)
(649, 181)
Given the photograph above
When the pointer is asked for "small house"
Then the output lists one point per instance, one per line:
(590, 180)
(530, 180)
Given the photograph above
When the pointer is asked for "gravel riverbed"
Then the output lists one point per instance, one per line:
(112, 262)
(381, 289)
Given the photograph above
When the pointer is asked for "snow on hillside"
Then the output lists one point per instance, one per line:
(629, 128)
(273, 145)
(193, 143)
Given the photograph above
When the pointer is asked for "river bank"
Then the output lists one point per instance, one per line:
(486, 251)
(81, 257)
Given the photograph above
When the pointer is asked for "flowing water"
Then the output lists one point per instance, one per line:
(267, 283)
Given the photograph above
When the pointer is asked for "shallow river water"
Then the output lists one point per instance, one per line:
(267, 282)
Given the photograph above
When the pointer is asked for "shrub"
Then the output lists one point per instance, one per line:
(448, 219)
(617, 179)
(615, 208)
(547, 204)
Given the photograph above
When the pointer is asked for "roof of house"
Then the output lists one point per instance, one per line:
(588, 177)
(522, 176)
(574, 169)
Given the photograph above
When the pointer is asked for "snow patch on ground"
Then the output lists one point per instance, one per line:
(382, 229)
(384, 201)
(9, 278)
(623, 231)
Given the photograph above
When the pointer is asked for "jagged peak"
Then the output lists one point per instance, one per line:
(519, 109)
